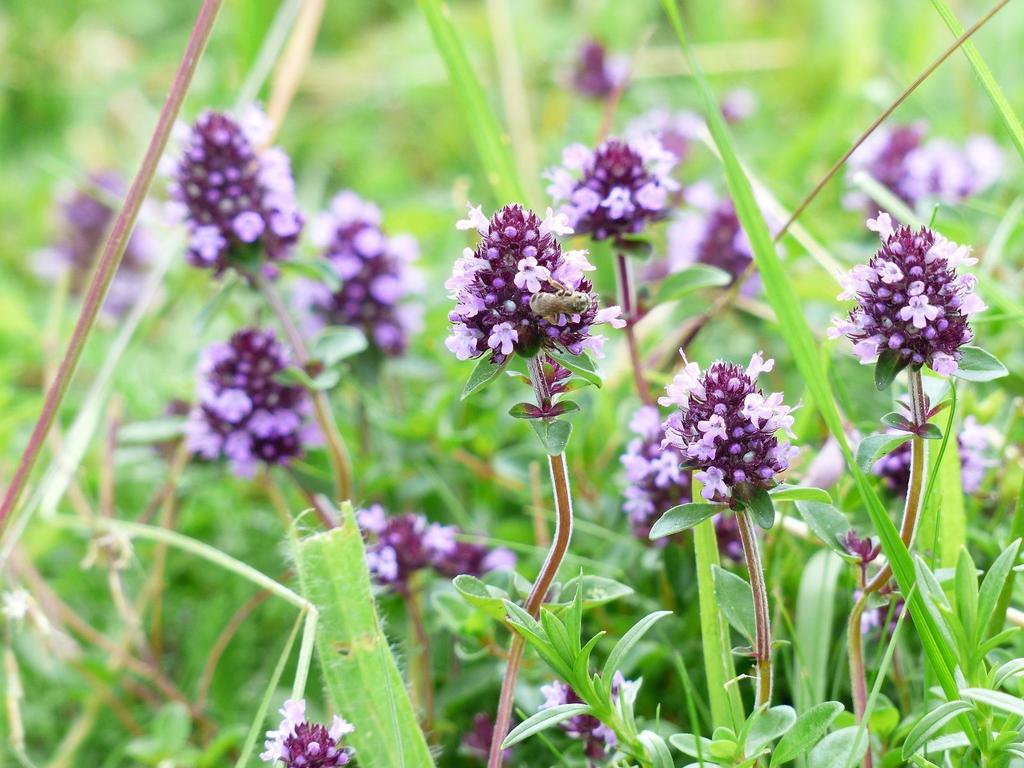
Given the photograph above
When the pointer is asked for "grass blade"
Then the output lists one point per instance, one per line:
(793, 325)
(491, 141)
(363, 681)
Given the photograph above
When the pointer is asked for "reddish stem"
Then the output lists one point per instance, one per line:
(630, 314)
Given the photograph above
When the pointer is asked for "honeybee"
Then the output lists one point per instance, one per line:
(563, 301)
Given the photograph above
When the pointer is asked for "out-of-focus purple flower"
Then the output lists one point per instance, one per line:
(400, 545)
(726, 427)
(727, 532)
(828, 464)
(597, 73)
(375, 272)
(656, 482)
(915, 170)
(598, 739)
(236, 197)
(297, 743)
(910, 299)
(83, 220)
(519, 292)
(615, 190)
(974, 443)
(739, 104)
(675, 130)
(875, 618)
(244, 413)
(477, 742)
(709, 232)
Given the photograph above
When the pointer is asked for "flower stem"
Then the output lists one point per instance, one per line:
(337, 452)
(911, 515)
(627, 296)
(424, 680)
(762, 616)
(557, 552)
(110, 258)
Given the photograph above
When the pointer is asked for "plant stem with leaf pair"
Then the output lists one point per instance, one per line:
(627, 295)
(911, 516)
(337, 452)
(557, 552)
(762, 616)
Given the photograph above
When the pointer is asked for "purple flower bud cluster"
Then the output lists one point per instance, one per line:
(726, 427)
(597, 74)
(656, 482)
(297, 743)
(517, 291)
(236, 195)
(400, 545)
(910, 299)
(974, 444)
(914, 170)
(477, 742)
(374, 271)
(727, 533)
(615, 190)
(83, 221)
(708, 232)
(598, 739)
(244, 413)
(865, 550)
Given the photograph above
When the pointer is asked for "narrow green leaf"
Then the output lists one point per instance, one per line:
(582, 365)
(483, 374)
(931, 723)
(489, 599)
(1004, 702)
(784, 492)
(979, 365)
(736, 600)
(545, 718)
(692, 278)
(353, 651)
(991, 620)
(596, 590)
(491, 142)
(966, 591)
(815, 608)
(889, 364)
(943, 524)
(1007, 671)
(657, 750)
(874, 447)
(626, 644)
(683, 517)
(806, 732)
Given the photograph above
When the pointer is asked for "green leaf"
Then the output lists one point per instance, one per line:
(582, 365)
(484, 130)
(539, 721)
(325, 380)
(687, 744)
(682, 517)
(1007, 671)
(336, 343)
(827, 523)
(784, 492)
(874, 447)
(966, 591)
(1004, 702)
(626, 644)
(736, 600)
(761, 507)
(554, 435)
(979, 365)
(897, 421)
(656, 749)
(770, 725)
(931, 723)
(523, 411)
(991, 588)
(806, 732)
(319, 271)
(483, 374)
(890, 362)
(692, 278)
(837, 750)
(596, 590)
(636, 247)
(353, 651)
(154, 431)
(490, 600)
(815, 608)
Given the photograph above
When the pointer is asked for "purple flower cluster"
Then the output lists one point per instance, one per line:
(913, 169)
(400, 545)
(676, 131)
(910, 299)
(499, 288)
(244, 413)
(597, 74)
(235, 195)
(374, 271)
(477, 742)
(297, 743)
(598, 739)
(974, 443)
(615, 190)
(708, 232)
(83, 222)
(875, 618)
(726, 427)
(656, 482)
